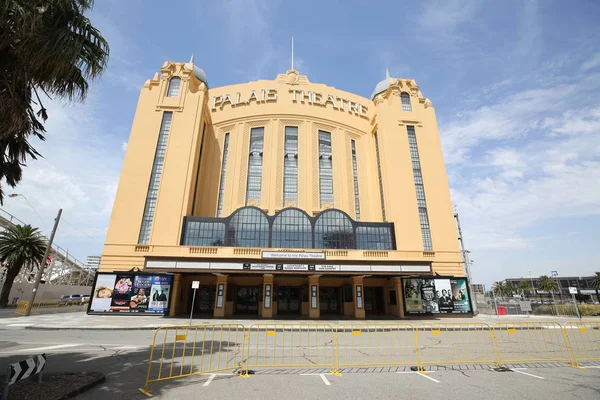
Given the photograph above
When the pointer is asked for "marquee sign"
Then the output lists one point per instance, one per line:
(275, 267)
(296, 95)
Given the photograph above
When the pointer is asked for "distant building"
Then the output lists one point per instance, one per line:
(93, 262)
(583, 285)
(478, 288)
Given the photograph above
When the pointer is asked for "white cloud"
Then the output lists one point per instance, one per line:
(445, 16)
(591, 63)
(124, 146)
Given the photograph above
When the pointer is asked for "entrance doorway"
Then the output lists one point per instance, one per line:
(246, 300)
(288, 300)
(330, 300)
(205, 300)
(374, 300)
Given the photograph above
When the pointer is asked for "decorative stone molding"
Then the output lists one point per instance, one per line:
(378, 99)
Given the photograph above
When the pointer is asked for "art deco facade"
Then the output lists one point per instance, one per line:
(283, 196)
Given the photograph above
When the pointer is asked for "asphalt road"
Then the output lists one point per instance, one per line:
(123, 357)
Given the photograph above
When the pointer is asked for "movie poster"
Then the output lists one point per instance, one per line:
(141, 293)
(159, 293)
(443, 293)
(122, 293)
(460, 295)
(436, 296)
(412, 295)
(103, 293)
(430, 304)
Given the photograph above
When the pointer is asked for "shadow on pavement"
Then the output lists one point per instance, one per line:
(125, 370)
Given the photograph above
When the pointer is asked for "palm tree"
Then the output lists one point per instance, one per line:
(510, 288)
(20, 245)
(525, 287)
(499, 289)
(595, 283)
(547, 284)
(48, 47)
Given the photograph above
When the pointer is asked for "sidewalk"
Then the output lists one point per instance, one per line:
(82, 321)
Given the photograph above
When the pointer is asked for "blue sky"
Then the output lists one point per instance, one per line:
(515, 86)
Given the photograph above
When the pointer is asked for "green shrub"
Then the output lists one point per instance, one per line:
(586, 310)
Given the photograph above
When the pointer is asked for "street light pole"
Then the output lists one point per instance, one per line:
(40, 272)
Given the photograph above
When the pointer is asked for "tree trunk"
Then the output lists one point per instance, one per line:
(11, 274)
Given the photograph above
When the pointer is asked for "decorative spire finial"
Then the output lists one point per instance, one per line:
(387, 74)
(192, 59)
(292, 52)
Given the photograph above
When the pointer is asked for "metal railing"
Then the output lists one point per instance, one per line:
(50, 307)
(180, 351)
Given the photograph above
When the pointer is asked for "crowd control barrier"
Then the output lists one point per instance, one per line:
(585, 340)
(290, 345)
(180, 351)
(522, 342)
(370, 345)
(448, 343)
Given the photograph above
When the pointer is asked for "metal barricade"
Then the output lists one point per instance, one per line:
(290, 345)
(584, 338)
(179, 351)
(370, 345)
(455, 343)
(520, 342)
(49, 307)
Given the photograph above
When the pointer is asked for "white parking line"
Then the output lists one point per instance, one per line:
(591, 366)
(325, 380)
(424, 375)
(525, 373)
(209, 380)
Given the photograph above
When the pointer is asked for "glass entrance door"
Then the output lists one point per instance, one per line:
(246, 299)
(288, 300)
(205, 300)
(374, 300)
(329, 298)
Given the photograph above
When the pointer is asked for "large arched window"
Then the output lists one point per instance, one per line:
(248, 227)
(174, 84)
(405, 97)
(333, 230)
(291, 230)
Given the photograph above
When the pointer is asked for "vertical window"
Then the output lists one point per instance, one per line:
(419, 188)
(157, 167)
(325, 168)
(379, 177)
(174, 84)
(354, 170)
(405, 97)
(223, 170)
(290, 165)
(255, 165)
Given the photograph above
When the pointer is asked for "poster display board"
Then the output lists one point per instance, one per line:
(130, 293)
(436, 296)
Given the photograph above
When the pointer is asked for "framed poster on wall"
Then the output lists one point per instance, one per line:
(130, 293)
(439, 295)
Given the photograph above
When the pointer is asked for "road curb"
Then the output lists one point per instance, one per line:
(99, 379)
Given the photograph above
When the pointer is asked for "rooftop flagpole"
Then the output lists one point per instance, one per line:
(292, 52)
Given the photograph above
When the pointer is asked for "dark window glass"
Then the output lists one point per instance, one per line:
(374, 238)
(380, 178)
(325, 168)
(405, 101)
(348, 294)
(419, 189)
(290, 164)
(199, 233)
(333, 230)
(292, 229)
(248, 227)
(255, 165)
(393, 300)
(223, 171)
(355, 173)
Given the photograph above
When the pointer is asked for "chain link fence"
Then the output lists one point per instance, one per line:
(560, 307)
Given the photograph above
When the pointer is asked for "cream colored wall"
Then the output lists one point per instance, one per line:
(182, 193)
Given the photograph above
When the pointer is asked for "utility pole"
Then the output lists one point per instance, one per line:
(40, 273)
(465, 254)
